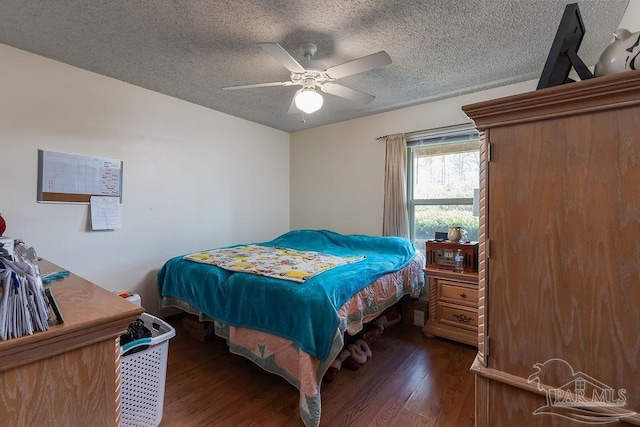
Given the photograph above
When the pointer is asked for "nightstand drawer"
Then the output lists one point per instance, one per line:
(460, 294)
(458, 316)
(453, 304)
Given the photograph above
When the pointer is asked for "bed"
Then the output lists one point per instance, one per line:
(292, 323)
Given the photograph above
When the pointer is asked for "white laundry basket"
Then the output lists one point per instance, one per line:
(143, 374)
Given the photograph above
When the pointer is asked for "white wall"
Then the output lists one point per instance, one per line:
(194, 178)
(337, 171)
(631, 18)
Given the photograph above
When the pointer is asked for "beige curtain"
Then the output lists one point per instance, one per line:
(395, 220)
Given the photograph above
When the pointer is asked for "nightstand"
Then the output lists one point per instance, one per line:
(453, 306)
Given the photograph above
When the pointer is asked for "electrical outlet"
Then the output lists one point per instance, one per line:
(418, 317)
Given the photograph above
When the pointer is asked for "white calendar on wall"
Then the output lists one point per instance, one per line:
(73, 178)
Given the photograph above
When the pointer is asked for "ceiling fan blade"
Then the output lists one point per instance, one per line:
(282, 56)
(359, 65)
(257, 85)
(347, 93)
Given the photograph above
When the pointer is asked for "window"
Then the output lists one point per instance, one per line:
(443, 170)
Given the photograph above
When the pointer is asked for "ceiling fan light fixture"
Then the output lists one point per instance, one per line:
(308, 100)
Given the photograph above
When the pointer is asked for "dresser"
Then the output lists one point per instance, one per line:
(453, 306)
(559, 259)
(70, 374)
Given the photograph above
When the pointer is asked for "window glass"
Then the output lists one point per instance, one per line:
(439, 174)
(432, 218)
(441, 182)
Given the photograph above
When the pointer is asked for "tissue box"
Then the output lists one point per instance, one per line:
(7, 244)
(135, 298)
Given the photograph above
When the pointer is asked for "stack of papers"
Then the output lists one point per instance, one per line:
(23, 309)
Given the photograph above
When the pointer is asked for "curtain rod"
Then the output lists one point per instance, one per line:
(436, 131)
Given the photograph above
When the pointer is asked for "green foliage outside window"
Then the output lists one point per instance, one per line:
(426, 224)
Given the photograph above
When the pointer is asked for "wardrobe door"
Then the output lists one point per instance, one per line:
(563, 221)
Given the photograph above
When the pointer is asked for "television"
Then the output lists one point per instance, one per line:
(564, 51)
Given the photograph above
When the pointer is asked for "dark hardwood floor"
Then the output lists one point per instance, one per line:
(409, 381)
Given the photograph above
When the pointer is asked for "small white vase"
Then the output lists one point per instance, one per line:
(621, 55)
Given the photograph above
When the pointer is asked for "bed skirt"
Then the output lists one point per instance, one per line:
(284, 358)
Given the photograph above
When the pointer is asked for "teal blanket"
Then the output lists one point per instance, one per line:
(305, 313)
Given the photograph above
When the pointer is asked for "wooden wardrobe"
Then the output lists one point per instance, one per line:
(559, 279)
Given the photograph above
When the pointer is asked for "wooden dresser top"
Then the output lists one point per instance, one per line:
(90, 313)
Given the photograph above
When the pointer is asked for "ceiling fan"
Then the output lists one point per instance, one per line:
(313, 75)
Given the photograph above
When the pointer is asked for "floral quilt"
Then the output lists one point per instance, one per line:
(276, 262)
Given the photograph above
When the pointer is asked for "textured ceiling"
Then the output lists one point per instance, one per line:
(190, 49)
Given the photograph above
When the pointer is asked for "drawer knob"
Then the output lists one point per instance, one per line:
(462, 318)
(463, 295)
